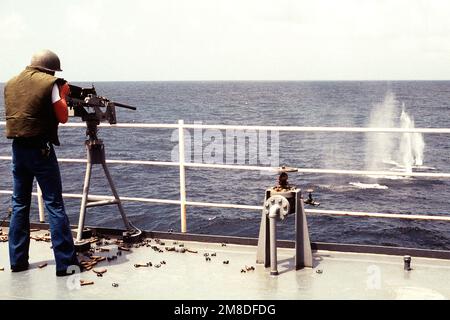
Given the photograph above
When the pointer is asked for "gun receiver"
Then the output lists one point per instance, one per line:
(86, 104)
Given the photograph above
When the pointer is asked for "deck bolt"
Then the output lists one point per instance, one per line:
(115, 285)
(319, 271)
(407, 263)
(213, 254)
(226, 262)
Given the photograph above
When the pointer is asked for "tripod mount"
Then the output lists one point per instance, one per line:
(95, 150)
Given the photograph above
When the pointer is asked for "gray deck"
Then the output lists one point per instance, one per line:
(189, 276)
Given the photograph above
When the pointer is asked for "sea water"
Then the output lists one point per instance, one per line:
(407, 104)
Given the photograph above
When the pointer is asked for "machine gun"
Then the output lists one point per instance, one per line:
(93, 109)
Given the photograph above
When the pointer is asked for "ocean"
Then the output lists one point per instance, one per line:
(425, 104)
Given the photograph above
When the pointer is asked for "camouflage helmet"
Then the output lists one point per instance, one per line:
(46, 60)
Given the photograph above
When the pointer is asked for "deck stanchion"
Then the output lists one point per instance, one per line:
(182, 175)
(40, 203)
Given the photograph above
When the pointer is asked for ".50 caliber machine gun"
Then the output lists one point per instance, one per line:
(93, 109)
(86, 104)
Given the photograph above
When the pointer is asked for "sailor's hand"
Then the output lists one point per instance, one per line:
(64, 90)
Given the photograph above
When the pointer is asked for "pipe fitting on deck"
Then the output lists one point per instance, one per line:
(277, 207)
(281, 201)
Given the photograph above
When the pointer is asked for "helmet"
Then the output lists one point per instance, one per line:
(46, 60)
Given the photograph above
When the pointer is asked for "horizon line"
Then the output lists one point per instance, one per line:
(244, 80)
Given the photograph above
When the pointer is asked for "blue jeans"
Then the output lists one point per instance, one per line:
(29, 162)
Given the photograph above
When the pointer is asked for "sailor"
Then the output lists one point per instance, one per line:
(34, 106)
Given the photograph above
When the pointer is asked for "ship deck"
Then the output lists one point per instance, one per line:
(188, 275)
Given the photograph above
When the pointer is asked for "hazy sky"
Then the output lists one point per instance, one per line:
(230, 39)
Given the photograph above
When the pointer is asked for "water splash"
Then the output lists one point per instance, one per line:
(361, 185)
(380, 146)
(399, 152)
(411, 144)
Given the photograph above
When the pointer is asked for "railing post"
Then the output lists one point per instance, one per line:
(182, 175)
(40, 203)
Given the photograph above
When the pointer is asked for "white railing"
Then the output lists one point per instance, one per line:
(181, 164)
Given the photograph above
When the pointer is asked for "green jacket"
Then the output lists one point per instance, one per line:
(28, 106)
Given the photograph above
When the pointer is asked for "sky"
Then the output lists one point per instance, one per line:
(165, 40)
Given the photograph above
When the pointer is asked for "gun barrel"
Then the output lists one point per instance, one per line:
(124, 106)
